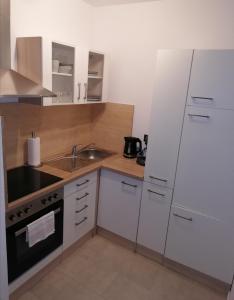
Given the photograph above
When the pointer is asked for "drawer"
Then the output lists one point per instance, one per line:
(154, 216)
(80, 184)
(201, 242)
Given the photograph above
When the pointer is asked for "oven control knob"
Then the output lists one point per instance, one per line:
(26, 210)
(19, 214)
(12, 218)
(43, 201)
(50, 198)
(55, 195)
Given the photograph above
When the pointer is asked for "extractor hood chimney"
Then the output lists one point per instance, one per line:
(13, 84)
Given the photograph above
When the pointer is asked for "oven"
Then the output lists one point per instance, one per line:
(20, 256)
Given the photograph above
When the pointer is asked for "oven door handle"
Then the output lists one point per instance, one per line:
(24, 229)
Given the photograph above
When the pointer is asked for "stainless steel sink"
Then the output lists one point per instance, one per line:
(93, 154)
(84, 158)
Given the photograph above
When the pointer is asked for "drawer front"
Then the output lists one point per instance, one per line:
(201, 242)
(119, 204)
(80, 184)
(154, 216)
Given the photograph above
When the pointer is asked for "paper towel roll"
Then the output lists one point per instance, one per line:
(34, 151)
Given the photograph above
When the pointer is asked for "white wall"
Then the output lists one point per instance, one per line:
(69, 21)
(132, 33)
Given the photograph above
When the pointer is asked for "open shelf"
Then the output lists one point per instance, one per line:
(62, 74)
(95, 77)
(63, 83)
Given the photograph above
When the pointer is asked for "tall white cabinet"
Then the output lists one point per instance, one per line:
(172, 79)
(201, 227)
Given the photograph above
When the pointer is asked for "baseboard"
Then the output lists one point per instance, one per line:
(116, 238)
(202, 278)
(153, 255)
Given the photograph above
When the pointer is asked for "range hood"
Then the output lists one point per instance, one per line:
(13, 84)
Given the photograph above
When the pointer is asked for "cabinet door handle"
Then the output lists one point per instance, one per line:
(82, 221)
(199, 116)
(80, 184)
(159, 179)
(153, 192)
(85, 195)
(83, 208)
(132, 185)
(79, 84)
(86, 90)
(184, 218)
(203, 98)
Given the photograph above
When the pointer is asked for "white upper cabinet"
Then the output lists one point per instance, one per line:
(212, 79)
(205, 174)
(172, 79)
(61, 68)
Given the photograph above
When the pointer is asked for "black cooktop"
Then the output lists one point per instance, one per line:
(25, 180)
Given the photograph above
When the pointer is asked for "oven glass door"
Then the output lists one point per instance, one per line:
(20, 256)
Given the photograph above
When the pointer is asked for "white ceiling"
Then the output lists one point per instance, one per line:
(113, 2)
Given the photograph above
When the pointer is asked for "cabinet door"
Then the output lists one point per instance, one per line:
(81, 76)
(212, 79)
(173, 69)
(119, 204)
(205, 173)
(203, 243)
(154, 216)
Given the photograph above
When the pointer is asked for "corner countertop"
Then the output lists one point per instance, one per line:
(116, 163)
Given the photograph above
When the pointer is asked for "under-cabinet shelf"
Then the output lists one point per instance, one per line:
(62, 74)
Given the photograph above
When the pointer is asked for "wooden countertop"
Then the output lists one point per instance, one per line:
(115, 163)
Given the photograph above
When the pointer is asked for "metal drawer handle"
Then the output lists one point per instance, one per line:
(79, 84)
(83, 208)
(153, 192)
(178, 216)
(200, 116)
(86, 90)
(24, 229)
(160, 179)
(82, 221)
(132, 185)
(80, 184)
(85, 195)
(203, 98)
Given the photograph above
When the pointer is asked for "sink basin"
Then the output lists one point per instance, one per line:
(85, 157)
(93, 154)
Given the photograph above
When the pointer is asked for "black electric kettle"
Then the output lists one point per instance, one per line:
(132, 146)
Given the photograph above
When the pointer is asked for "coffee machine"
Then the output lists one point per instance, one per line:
(141, 156)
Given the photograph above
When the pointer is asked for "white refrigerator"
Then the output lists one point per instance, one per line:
(3, 254)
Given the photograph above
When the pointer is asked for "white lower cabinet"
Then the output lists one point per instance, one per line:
(79, 208)
(119, 204)
(201, 242)
(154, 216)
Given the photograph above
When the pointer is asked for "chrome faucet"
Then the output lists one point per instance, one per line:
(75, 150)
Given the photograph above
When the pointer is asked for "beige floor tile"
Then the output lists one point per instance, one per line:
(102, 270)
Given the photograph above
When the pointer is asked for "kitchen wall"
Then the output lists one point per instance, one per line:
(132, 33)
(66, 21)
(61, 127)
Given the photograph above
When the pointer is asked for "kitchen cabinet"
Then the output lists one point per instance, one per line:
(45, 61)
(79, 208)
(201, 242)
(154, 216)
(172, 79)
(204, 180)
(119, 204)
(212, 79)
(95, 77)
